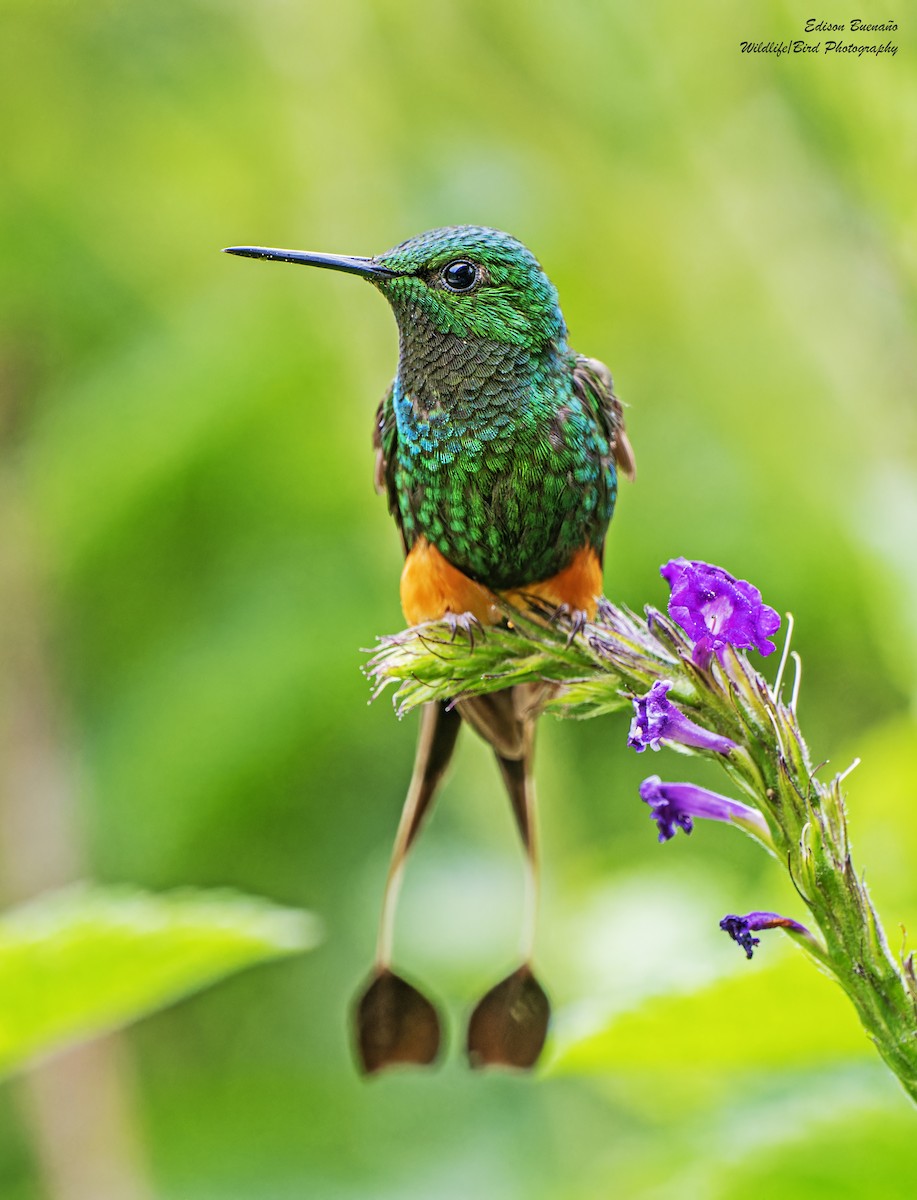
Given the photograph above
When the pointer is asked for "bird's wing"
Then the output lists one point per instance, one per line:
(595, 388)
(385, 443)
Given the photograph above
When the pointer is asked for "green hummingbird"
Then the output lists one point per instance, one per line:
(498, 448)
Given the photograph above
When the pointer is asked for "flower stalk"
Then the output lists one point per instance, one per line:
(702, 696)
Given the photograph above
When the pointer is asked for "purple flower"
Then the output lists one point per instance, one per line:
(717, 610)
(657, 719)
(740, 929)
(676, 804)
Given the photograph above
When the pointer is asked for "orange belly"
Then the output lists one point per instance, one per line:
(432, 587)
(578, 585)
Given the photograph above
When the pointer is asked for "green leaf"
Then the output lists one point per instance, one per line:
(82, 961)
(786, 1015)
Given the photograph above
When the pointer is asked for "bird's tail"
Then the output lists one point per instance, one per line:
(439, 729)
(506, 720)
(509, 1025)
(395, 1023)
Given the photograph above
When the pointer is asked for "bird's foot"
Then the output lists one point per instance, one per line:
(508, 1027)
(574, 618)
(466, 623)
(395, 1025)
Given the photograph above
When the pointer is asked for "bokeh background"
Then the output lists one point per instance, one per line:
(193, 558)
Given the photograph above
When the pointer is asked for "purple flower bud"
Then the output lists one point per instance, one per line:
(676, 804)
(740, 929)
(717, 610)
(656, 719)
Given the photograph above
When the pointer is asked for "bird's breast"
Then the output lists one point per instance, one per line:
(506, 492)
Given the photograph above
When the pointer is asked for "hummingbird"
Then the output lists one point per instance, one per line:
(498, 448)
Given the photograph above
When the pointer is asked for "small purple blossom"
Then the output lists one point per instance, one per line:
(676, 804)
(656, 719)
(717, 610)
(740, 929)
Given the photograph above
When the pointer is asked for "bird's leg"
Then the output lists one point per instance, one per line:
(395, 1023)
(466, 623)
(509, 1025)
(574, 618)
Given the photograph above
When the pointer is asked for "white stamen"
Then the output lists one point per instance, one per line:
(797, 680)
(853, 766)
(783, 657)
(717, 613)
(777, 732)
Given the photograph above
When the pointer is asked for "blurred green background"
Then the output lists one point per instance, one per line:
(193, 556)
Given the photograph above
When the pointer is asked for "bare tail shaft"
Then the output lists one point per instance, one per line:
(439, 730)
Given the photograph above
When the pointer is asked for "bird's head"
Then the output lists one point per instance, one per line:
(463, 280)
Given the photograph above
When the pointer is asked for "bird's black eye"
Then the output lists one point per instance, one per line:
(460, 276)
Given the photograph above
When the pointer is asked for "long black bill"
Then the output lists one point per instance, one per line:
(368, 267)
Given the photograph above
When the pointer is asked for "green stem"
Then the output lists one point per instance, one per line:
(596, 671)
